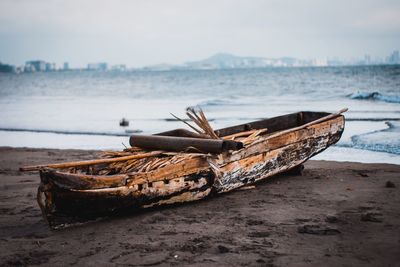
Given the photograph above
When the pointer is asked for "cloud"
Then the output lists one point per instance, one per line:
(154, 31)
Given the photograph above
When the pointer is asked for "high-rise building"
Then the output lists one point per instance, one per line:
(120, 67)
(36, 65)
(7, 68)
(66, 66)
(50, 66)
(97, 66)
(394, 58)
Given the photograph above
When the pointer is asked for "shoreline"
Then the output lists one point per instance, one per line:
(336, 213)
(339, 153)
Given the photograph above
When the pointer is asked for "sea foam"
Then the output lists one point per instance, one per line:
(375, 96)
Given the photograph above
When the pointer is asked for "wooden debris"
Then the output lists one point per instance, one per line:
(91, 162)
(243, 134)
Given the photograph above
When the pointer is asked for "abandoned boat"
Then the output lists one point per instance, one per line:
(181, 166)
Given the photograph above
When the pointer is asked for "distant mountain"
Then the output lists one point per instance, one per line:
(229, 61)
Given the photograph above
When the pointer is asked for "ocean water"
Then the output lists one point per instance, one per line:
(82, 110)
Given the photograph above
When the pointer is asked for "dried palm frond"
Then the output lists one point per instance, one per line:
(200, 119)
(188, 124)
(201, 122)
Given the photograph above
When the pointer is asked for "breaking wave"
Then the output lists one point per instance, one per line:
(382, 140)
(375, 96)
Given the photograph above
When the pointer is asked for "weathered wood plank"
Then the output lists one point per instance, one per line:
(80, 181)
(169, 172)
(328, 127)
(261, 166)
(273, 125)
(58, 203)
(91, 162)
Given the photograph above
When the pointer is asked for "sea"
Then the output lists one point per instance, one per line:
(82, 109)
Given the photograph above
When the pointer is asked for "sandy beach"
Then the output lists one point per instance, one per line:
(345, 214)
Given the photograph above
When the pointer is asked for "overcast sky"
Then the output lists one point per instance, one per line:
(147, 32)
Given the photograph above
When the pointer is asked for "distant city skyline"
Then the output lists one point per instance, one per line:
(142, 33)
(345, 61)
(214, 62)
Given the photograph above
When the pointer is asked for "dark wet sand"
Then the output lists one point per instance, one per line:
(336, 214)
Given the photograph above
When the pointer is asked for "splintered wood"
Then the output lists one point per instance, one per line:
(154, 163)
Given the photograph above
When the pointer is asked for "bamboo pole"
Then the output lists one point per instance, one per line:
(90, 162)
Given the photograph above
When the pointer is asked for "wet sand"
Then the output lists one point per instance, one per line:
(334, 214)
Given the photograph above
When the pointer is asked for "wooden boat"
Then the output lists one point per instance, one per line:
(83, 192)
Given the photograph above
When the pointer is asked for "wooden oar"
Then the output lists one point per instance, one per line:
(90, 162)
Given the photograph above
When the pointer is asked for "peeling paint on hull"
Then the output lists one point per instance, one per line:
(65, 198)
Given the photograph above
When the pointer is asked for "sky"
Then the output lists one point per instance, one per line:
(147, 32)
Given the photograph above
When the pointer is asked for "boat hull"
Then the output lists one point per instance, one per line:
(278, 154)
(67, 199)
